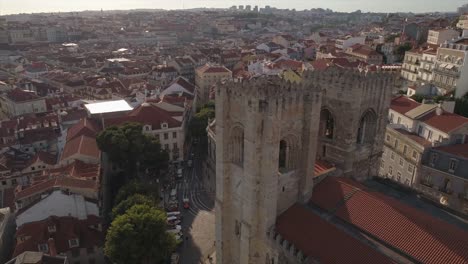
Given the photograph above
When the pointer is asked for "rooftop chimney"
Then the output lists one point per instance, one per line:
(52, 248)
(439, 110)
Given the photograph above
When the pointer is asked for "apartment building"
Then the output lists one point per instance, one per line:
(414, 129)
(348, 41)
(20, 102)
(444, 176)
(463, 22)
(439, 36)
(450, 71)
(411, 64)
(426, 66)
(205, 77)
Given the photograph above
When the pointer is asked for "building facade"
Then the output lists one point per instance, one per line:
(205, 77)
(268, 146)
(451, 67)
(444, 176)
(439, 36)
(411, 63)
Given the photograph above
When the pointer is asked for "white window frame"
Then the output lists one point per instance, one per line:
(73, 243)
(453, 162)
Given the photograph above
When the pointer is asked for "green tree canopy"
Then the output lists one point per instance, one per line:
(199, 122)
(136, 187)
(135, 199)
(461, 106)
(417, 97)
(402, 49)
(139, 236)
(127, 145)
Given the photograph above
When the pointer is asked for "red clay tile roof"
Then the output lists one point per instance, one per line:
(76, 169)
(64, 182)
(458, 149)
(85, 127)
(409, 230)
(44, 157)
(321, 167)
(184, 83)
(18, 95)
(403, 104)
(146, 114)
(38, 188)
(445, 122)
(75, 114)
(67, 228)
(322, 241)
(289, 64)
(82, 145)
(212, 69)
(330, 193)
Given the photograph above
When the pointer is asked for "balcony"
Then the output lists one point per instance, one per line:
(447, 72)
(427, 184)
(410, 71)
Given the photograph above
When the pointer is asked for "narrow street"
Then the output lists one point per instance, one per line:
(198, 220)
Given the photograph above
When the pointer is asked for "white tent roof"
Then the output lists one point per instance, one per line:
(108, 107)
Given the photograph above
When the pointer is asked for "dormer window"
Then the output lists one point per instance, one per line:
(51, 228)
(43, 247)
(147, 128)
(73, 243)
(164, 125)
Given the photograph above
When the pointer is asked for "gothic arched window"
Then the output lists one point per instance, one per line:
(282, 155)
(327, 124)
(367, 128)
(288, 148)
(236, 145)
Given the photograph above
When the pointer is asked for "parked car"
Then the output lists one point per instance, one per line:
(186, 203)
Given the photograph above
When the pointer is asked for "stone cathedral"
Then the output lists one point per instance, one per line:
(274, 139)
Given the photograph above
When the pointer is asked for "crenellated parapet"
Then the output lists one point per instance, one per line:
(275, 87)
(289, 249)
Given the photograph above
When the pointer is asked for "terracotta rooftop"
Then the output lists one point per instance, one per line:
(45, 186)
(446, 122)
(322, 241)
(44, 157)
(76, 169)
(81, 145)
(321, 167)
(85, 127)
(184, 83)
(460, 150)
(389, 221)
(402, 104)
(212, 69)
(67, 228)
(18, 95)
(146, 114)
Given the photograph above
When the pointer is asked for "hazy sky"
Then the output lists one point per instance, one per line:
(29, 6)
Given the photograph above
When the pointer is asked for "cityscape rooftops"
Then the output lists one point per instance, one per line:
(18, 95)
